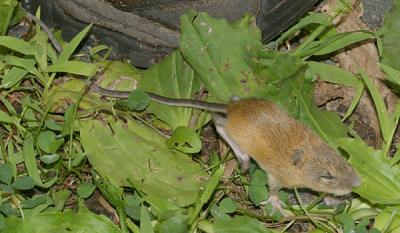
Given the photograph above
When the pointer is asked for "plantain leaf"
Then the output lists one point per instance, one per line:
(83, 221)
(390, 37)
(380, 183)
(221, 53)
(174, 78)
(131, 154)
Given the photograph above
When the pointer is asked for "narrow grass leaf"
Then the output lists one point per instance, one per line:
(73, 67)
(380, 107)
(30, 160)
(13, 77)
(356, 100)
(70, 47)
(17, 45)
(312, 18)
(69, 120)
(333, 74)
(343, 40)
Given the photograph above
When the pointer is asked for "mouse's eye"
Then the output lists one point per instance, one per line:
(327, 178)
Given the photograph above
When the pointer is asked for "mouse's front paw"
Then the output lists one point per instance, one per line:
(276, 204)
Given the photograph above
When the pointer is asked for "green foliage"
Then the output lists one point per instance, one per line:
(83, 221)
(258, 191)
(220, 53)
(185, 140)
(390, 36)
(240, 224)
(137, 101)
(377, 174)
(172, 77)
(132, 154)
(85, 190)
(166, 190)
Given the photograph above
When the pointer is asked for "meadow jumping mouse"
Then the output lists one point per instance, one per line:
(291, 153)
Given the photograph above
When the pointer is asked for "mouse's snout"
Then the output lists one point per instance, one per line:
(356, 181)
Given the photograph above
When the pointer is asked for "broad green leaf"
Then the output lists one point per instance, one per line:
(238, 224)
(388, 220)
(133, 154)
(227, 205)
(346, 221)
(52, 125)
(119, 75)
(138, 100)
(49, 142)
(73, 67)
(69, 48)
(83, 221)
(132, 206)
(185, 140)
(60, 198)
(176, 224)
(17, 45)
(50, 158)
(220, 53)
(333, 74)
(258, 191)
(159, 205)
(71, 91)
(379, 178)
(174, 78)
(35, 201)
(85, 190)
(380, 107)
(24, 183)
(6, 12)
(390, 37)
(275, 66)
(6, 173)
(145, 221)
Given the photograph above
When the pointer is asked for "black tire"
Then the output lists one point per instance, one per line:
(145, 31)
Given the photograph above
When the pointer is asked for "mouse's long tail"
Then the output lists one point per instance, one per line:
(199, 104)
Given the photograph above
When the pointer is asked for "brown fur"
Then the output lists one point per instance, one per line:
(287, 149)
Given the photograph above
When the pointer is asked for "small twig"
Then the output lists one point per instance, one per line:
(49, 33)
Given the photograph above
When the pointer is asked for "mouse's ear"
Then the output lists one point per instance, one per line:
(297, 156)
